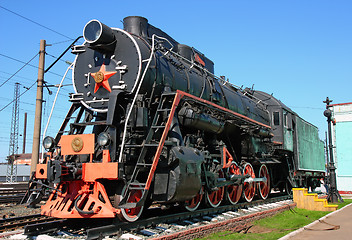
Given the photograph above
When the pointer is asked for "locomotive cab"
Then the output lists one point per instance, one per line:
(302, 163)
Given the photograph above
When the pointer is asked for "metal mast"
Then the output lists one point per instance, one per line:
(11, 173)
(333, 193)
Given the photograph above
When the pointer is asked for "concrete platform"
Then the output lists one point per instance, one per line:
(335, 225)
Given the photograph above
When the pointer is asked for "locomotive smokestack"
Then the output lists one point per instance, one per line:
(96, 32)
(136, 25)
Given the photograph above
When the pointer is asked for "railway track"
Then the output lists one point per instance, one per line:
(176, 222)
(166, 222)
(12, 192)
(15, 223)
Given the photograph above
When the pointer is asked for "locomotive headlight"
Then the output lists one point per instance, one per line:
(96, 32)
(103, 139)
(48, 143)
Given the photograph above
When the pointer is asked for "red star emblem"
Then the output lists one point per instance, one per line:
(101, 78)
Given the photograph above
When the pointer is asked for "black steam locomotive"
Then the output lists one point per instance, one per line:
(150, 123)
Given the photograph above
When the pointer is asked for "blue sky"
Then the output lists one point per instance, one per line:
(298, 50)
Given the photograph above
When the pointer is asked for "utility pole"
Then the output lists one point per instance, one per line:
(24, 133)
(38, 109)
(11, 173)
(333, 194)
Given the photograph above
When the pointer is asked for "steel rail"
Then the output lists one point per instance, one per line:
(9, 224)
(112, 227)
(12, 192)
(95, 233)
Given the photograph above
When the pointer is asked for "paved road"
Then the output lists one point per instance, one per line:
(322, 230)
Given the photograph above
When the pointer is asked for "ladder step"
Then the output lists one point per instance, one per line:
(168, 94)
(144, 164)
(166, 143)
(157, 127)
(136, 188)
(137, 184)
(151, 144)
(163, 109)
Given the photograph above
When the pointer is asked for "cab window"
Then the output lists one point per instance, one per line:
(276, 118)
(285, 119)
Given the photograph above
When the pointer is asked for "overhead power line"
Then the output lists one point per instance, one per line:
(27, 89)
(62, 60)
(55, 43)
(18, 76)
(14, 59)
(32, 21)
(25, 64)
(315, 108)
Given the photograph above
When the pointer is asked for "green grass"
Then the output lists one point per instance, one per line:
(277, 226)
(346, 202)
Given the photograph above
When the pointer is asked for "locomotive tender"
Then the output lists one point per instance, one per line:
(151, 123)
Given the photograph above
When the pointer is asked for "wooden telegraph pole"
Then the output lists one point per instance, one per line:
(38, 108)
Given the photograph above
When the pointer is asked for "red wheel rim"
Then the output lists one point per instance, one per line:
(248, 187)
(214, 198)
(233, 192)
(132, 214)
(193, 204)
(264, 187)
(134, 197)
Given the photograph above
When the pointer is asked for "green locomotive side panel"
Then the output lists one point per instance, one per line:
(288, 139)
(310, 148)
